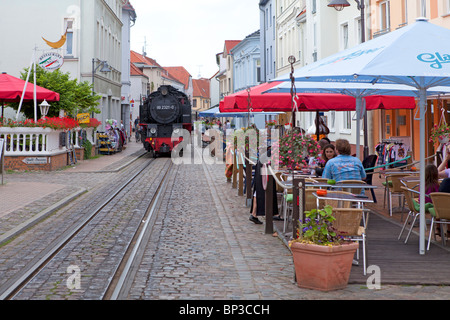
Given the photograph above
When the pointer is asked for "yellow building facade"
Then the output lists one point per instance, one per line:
(389, 15)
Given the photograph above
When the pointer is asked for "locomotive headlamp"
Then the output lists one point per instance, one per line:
(164, 91)
(176, 130)
(153, 130)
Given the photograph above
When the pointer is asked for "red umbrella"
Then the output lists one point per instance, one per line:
(277, 101)
(11, 89)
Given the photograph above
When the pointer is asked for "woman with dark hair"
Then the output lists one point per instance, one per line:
(431, 181)
(328, 152)
(431, 185)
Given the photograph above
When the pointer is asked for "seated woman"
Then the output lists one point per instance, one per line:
(329, 152)
(431, 185)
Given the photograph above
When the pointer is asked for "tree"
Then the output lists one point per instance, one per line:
(75, 97)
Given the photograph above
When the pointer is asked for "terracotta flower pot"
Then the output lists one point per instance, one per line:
(323, 268)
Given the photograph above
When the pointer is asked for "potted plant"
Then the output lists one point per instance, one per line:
(322, 258)
(440, 133)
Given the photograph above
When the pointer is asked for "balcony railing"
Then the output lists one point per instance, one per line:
(381, 32)
(35, 141)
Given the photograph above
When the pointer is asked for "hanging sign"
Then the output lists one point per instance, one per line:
(83, 118)
(51, 61)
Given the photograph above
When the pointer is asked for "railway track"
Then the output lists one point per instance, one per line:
(114, 282)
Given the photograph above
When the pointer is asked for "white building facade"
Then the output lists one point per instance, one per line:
(94, 34)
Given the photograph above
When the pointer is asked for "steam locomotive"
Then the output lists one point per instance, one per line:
(163, 112)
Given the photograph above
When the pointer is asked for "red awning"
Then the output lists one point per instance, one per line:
(11, 89)
(275, 101)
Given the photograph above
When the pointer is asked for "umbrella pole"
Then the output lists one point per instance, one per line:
(34, 91)
(358, 126)
(422, 102)
(25, 87)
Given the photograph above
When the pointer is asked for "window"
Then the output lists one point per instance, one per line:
(347, 117)
(345, 36)
(315, 35)
(69, 37)
(384, 15)
(358, 32)
(332, 120)
(314, 6)
(258, 70)
(270, 15)
(448, 6)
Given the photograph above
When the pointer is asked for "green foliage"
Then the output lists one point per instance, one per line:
(75, 97)
(87, 145)
(317, 228)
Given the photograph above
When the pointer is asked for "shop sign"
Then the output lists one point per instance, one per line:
(35, 160)
(83, 118)
(51, 61)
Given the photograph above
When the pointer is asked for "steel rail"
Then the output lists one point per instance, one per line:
(14, 285)
(116, 289)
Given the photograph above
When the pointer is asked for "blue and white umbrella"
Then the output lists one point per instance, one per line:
(417, 56)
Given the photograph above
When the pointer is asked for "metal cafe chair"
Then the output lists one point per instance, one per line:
(348, 225)
(413, 213)
(441, 202)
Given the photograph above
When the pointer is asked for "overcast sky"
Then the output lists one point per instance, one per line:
(190, 33)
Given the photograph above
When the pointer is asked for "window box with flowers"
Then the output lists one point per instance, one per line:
(271, 124)
(440, 133)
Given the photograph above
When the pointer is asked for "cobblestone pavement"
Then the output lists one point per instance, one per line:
(203, 246)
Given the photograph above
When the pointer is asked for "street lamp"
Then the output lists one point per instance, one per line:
(105, 68)
(44, 106)
(339, 6)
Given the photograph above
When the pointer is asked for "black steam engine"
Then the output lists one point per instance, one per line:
(164, 111)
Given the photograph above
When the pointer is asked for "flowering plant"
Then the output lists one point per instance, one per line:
(93, 123)
(317, 228)
(271, 123)
(55, 123)
(295, 148)
(439, 132)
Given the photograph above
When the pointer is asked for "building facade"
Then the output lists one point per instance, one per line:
(94, 34)
(128, 20)
(201, 95)
(268, 39)
(247, 62)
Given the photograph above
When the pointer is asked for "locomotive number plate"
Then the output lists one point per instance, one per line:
(172, 107)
